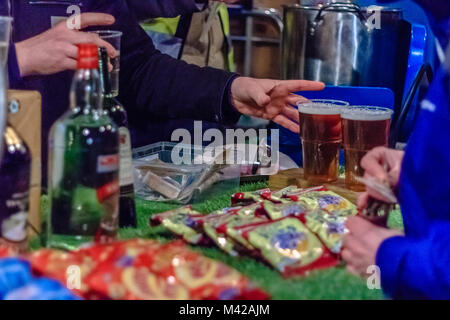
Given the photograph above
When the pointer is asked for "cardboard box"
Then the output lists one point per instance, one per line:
(26, 120)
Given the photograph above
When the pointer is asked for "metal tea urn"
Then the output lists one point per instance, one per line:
(343, 44)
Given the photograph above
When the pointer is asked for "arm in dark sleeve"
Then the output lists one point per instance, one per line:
(13, 67)
(417, 268)
(152, 83)
(147, 9)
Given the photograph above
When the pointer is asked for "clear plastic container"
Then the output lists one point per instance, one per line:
(178, 173)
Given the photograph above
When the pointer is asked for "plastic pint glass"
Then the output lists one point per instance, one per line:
(321, 135)
(364, 128)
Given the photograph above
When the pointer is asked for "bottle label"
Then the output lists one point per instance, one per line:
(107, 191)
(126, 162)
(14, 224)
(107, 163)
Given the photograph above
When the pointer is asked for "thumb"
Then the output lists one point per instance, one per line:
(259, 96)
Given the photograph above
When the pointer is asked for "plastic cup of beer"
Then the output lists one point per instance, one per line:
(321, 135)
(113, 38)
(363, 128)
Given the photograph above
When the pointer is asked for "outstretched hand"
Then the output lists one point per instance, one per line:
(271, 99)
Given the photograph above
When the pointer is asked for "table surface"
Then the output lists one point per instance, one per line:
(333, 283)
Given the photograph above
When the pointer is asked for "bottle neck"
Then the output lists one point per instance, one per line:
(86, 95)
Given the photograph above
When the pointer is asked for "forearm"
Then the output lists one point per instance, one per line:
(417, 268)
(154, 83)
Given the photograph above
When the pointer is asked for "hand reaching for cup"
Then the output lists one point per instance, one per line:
(56, 49)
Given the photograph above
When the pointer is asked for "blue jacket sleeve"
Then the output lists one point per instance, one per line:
(152, 83)
(417, 268)
(147, 9)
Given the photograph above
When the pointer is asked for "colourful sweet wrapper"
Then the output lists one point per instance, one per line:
(289, 246)
(157, 219)
(328, 200)
(328, 227)
(171, 271)
(250, 197)
(280, 210)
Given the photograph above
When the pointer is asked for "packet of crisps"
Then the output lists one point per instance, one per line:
(60, 265)
(210, 224)
(280, 210)
(157, 219)
(250, 197)
(289, 246)
(328, 200)
(330, 228)
(205, 278)
(121, 282)
(233, 230)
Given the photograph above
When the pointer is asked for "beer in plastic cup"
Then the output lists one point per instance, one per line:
(321, 135)
(364, 128)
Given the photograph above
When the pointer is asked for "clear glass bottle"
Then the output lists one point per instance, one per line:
(83, 164)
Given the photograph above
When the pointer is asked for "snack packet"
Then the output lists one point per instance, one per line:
(210, 224)
(181, 222)
(233, 231)
(280, 210)
(250, 197)
(328, 227)
(157, 219)
(205, 278)
(328, 200)
(60, 265)
(289, 246)
(169, 271)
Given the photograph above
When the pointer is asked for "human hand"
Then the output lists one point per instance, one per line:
(56, 49)
(360, 245)
(271, 99)
(384, 165)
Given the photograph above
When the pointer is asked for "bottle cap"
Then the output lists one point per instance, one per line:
(87, 56)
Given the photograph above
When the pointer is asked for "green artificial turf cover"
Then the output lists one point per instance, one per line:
(334, 283)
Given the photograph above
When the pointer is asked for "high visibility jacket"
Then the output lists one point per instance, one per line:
(174, 36)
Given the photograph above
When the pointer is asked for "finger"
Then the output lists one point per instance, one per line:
(90, 19)
(287, 123)
(259, 96)
(88, 37)
(357, 227)
(294, 100)
(363, 199)
(352, 270)
(301, 85)
(71, 51)
(373, 162)
(346, 255)
(291, 113)
(69, 64)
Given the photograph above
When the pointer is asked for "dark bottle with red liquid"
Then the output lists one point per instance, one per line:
(113, 108)
(15, 170)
